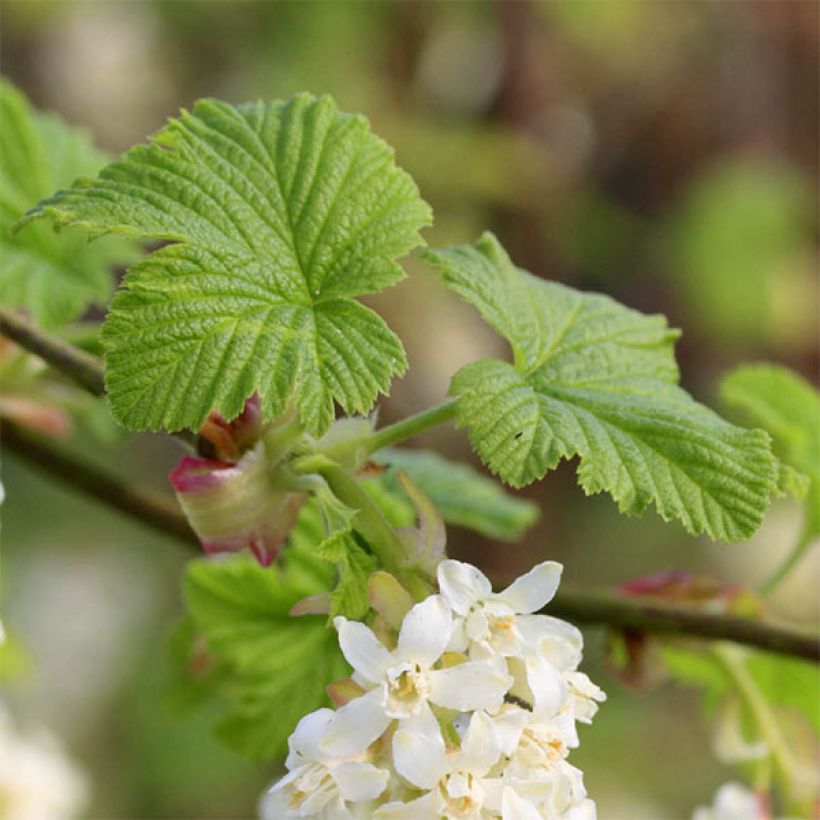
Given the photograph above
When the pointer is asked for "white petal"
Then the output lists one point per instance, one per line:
(508, 725)
(515, 807)
(359, 781)
(476, 625)
(424, 808)
(356, 725)
(547, 686)
(535, 589)
(362, 649)
(462, 585)
(469, 686)
(419, 755)
(558, 641)
(480, 748)
(273, 805)
(425, 632)
(585, 810)
(304, 742)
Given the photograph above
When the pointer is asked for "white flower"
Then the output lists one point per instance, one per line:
(733, 802)
(541, 744)
(490, 624)
(516, 807)
(584, 695)
(318, 785)
(455, 781)
(37, 780)
(401, 682)
(554, 792)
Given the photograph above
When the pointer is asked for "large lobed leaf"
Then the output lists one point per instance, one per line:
(54, 277)
(278, 214)
(788, 407)
(594, 379)
(273, 668)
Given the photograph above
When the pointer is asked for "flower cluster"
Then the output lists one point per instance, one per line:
(464, 706)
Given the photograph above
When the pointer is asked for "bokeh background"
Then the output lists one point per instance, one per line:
(664, 153)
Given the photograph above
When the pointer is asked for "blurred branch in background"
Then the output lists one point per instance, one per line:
(81, 367)
(150, 509)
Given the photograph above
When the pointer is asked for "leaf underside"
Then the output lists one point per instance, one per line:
(54, 277)
(595, 380)
(278, 215)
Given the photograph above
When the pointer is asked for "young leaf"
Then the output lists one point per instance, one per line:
(273, 668)
(54, 277)
(463, 496)
(278, 214)
(788, 407)
(594, 379)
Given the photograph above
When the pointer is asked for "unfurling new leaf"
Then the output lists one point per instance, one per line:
(278, 215)
(594, 379)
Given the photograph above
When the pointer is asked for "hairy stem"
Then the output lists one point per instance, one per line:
(370, 521)
(83, 368)
(411, 426)
(153, 510)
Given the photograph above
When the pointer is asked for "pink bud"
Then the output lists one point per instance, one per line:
(233, 506)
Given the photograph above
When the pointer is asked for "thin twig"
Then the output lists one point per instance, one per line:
(81, 367)
(150, 509)
(614, 610)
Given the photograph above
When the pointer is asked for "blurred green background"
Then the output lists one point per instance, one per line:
(665, 153)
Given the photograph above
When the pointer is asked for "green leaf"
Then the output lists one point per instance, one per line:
(784, 682)
(350, 596)
(272, 668)
(463, 496)
(788, 407)
(594, 379)
(278, 214)
(54, 277)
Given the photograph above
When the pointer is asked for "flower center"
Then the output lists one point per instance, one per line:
(315, 785)
(407, 688)
(462, 794)
(540, 748)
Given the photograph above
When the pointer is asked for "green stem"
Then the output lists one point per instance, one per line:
(411, 426)
(732, 661)
(785, 569)
(372, 525)
(389, 435)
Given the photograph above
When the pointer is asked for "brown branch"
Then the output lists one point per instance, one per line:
(81, 367)
(613, 610)
(150, 509)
